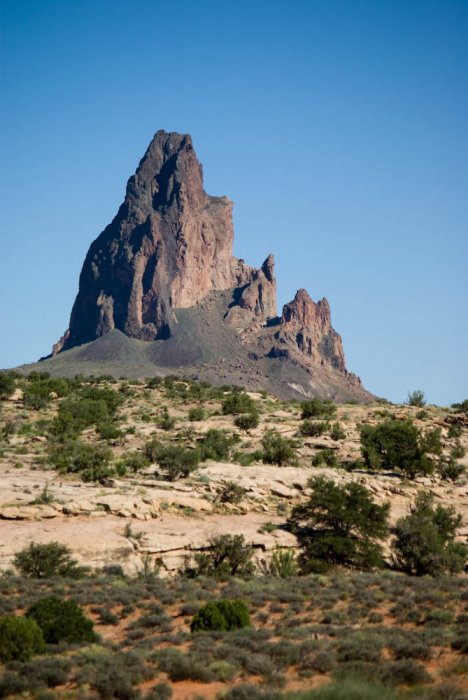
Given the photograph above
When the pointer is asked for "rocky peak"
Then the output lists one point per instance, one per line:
(304, 312)
(168, 172)
(169, 248)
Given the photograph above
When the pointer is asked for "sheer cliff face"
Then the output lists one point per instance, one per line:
(169, 246)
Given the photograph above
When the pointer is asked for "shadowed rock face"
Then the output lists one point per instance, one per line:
(168, 248)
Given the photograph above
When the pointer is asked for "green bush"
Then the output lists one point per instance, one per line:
(337, 432)
(461, 407)
(396, 444)
(215, 444)
(317, 408)
(238, 402)
(247, 421)
(61, 620)
(37, 395)
(425, 539)
(326, 456)
(277, 449)
(231, 492)
(134, 461)
(228, 555)
(20, 638)
(223, 615)
(176, 461)
(339, 525)
(313, 428)
(416, 398)
(283, 563)
(46, 561)
(91, 462)
(7, 384)
(196, 414)
(166, 421)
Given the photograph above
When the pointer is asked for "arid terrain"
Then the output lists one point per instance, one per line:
(150, 522)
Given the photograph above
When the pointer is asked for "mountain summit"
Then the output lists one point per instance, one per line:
(163, 272)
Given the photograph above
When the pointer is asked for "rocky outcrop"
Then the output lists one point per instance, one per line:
(308, 324)
(169, 248)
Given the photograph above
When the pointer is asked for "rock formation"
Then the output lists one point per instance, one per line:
(169, 248)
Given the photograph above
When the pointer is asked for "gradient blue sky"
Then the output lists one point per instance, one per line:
(338, 127)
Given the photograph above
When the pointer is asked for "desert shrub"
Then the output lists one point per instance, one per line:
(20, 639)
(404, 671)
(450, 470)
(325, 456)
(457, 451)
(347, 689)
(215, 444)
(108, 431)
(181, 667)
(339, 524)
(46, 561)
(176, 461)
(238, 402)
(166, 421)
(360, 647)
(425, 539)
(223, 615)
(49, 671)
(416, 398)
(161, 691)
(135, 461)
(396, 444)
(91, 462)
(231, 492)
(247, 421)
(196, 414)
(337, 432)
(409, 646)
(37, 395)
(12, 684)
(454, 430)
(283, 563)
(313, 428)
(7, 384)
(277, 449)
(228, 555)
(61, 620)
(460, 641)
(93, 406)
(317, 408)
(461, 407)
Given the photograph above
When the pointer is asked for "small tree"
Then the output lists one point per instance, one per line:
(395, 444)
(61, 620)
(317, 408)
(7, 385)
(228, 555)
(425, 539)
(215, 444)
(20, 638)
(247, 421)
(46, 561)
(416, 398)
(223, 615)
(176, 461)
(277, 449)
(238, 402)
(339, 525)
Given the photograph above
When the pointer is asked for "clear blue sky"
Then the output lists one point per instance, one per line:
(338, 127)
